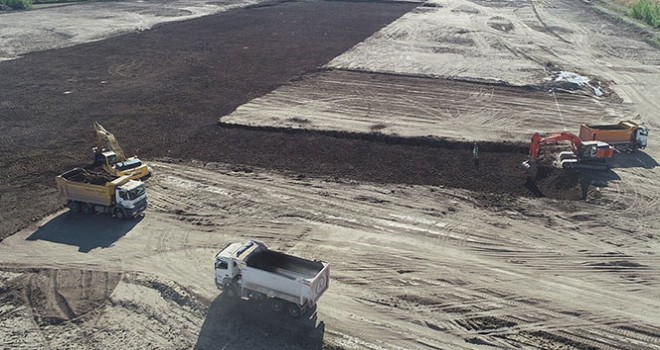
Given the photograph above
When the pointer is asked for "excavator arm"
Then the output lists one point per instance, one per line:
(538, 140)
(107, 141)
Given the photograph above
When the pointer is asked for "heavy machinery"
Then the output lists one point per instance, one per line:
(109, 155)
(90, 193)
(285, 282)
(626, 136)
(584, 155)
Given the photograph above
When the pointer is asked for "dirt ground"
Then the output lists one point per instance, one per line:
(63, 25)
(414, 267)
(427, 250)
(161, 92)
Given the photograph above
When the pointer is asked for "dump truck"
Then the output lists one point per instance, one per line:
(110, 156)
(626, 136)
(251, 271)
(90, 193)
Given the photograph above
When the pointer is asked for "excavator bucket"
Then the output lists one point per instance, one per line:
(529, 167)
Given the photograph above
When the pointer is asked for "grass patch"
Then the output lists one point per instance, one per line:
(17, 4)
(645, 10)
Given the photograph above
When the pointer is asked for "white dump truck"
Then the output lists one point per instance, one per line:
(285, 282)
(94, 192)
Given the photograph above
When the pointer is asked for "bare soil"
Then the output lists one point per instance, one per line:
(162, 91)
(428, 251)
(413, 267)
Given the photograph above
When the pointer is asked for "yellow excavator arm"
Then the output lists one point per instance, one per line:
(106, 140)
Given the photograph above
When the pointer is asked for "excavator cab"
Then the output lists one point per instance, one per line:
(104, 157)
(595, 150)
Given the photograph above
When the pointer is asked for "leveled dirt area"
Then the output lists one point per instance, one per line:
(347, 101)
(66, 25)
(161, 92)
(413, 267)
(518, 41)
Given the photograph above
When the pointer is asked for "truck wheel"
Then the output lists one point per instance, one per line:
(635, 148)
(294, 310)
(277, 305)
(86, 209)
(230, 292)
(119, 214)
(74, 207)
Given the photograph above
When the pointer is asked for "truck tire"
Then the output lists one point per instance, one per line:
(119, 213)
(86, 209)
(74, 207)
(277, 305)
(294, 310)
(230, 292)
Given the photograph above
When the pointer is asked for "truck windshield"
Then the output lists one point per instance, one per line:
(136, 192)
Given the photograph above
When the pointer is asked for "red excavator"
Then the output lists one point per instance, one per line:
(588, 155)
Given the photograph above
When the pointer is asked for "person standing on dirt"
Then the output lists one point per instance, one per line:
(475, 154)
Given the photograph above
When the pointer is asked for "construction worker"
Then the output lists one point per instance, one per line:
(475, 154)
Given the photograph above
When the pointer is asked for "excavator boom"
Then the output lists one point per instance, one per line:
(106, 140)
(538, 140)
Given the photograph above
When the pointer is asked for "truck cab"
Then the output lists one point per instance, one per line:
(130, 199)
(226, 268)
(642, 136)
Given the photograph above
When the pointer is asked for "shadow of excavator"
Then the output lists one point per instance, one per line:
(548, 181)
(234, 325)
(87, 232)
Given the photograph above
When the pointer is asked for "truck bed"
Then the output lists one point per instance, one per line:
(88, 176)
(87, 187)
(284, 264)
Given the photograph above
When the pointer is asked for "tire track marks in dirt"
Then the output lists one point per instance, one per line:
(415, 274)
(547, 28)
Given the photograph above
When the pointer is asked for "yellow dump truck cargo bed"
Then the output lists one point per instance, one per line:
(80, 185)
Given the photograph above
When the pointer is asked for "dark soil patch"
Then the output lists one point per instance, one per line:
(162, 91)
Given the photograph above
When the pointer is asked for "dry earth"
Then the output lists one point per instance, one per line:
(71, 24)
(427, 252)
(415, 267)
(161, 92)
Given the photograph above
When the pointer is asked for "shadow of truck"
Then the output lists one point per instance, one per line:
(233, 325)
(633, 160)
(87, 232)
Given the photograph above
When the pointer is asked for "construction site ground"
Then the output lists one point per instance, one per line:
(339, 131)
